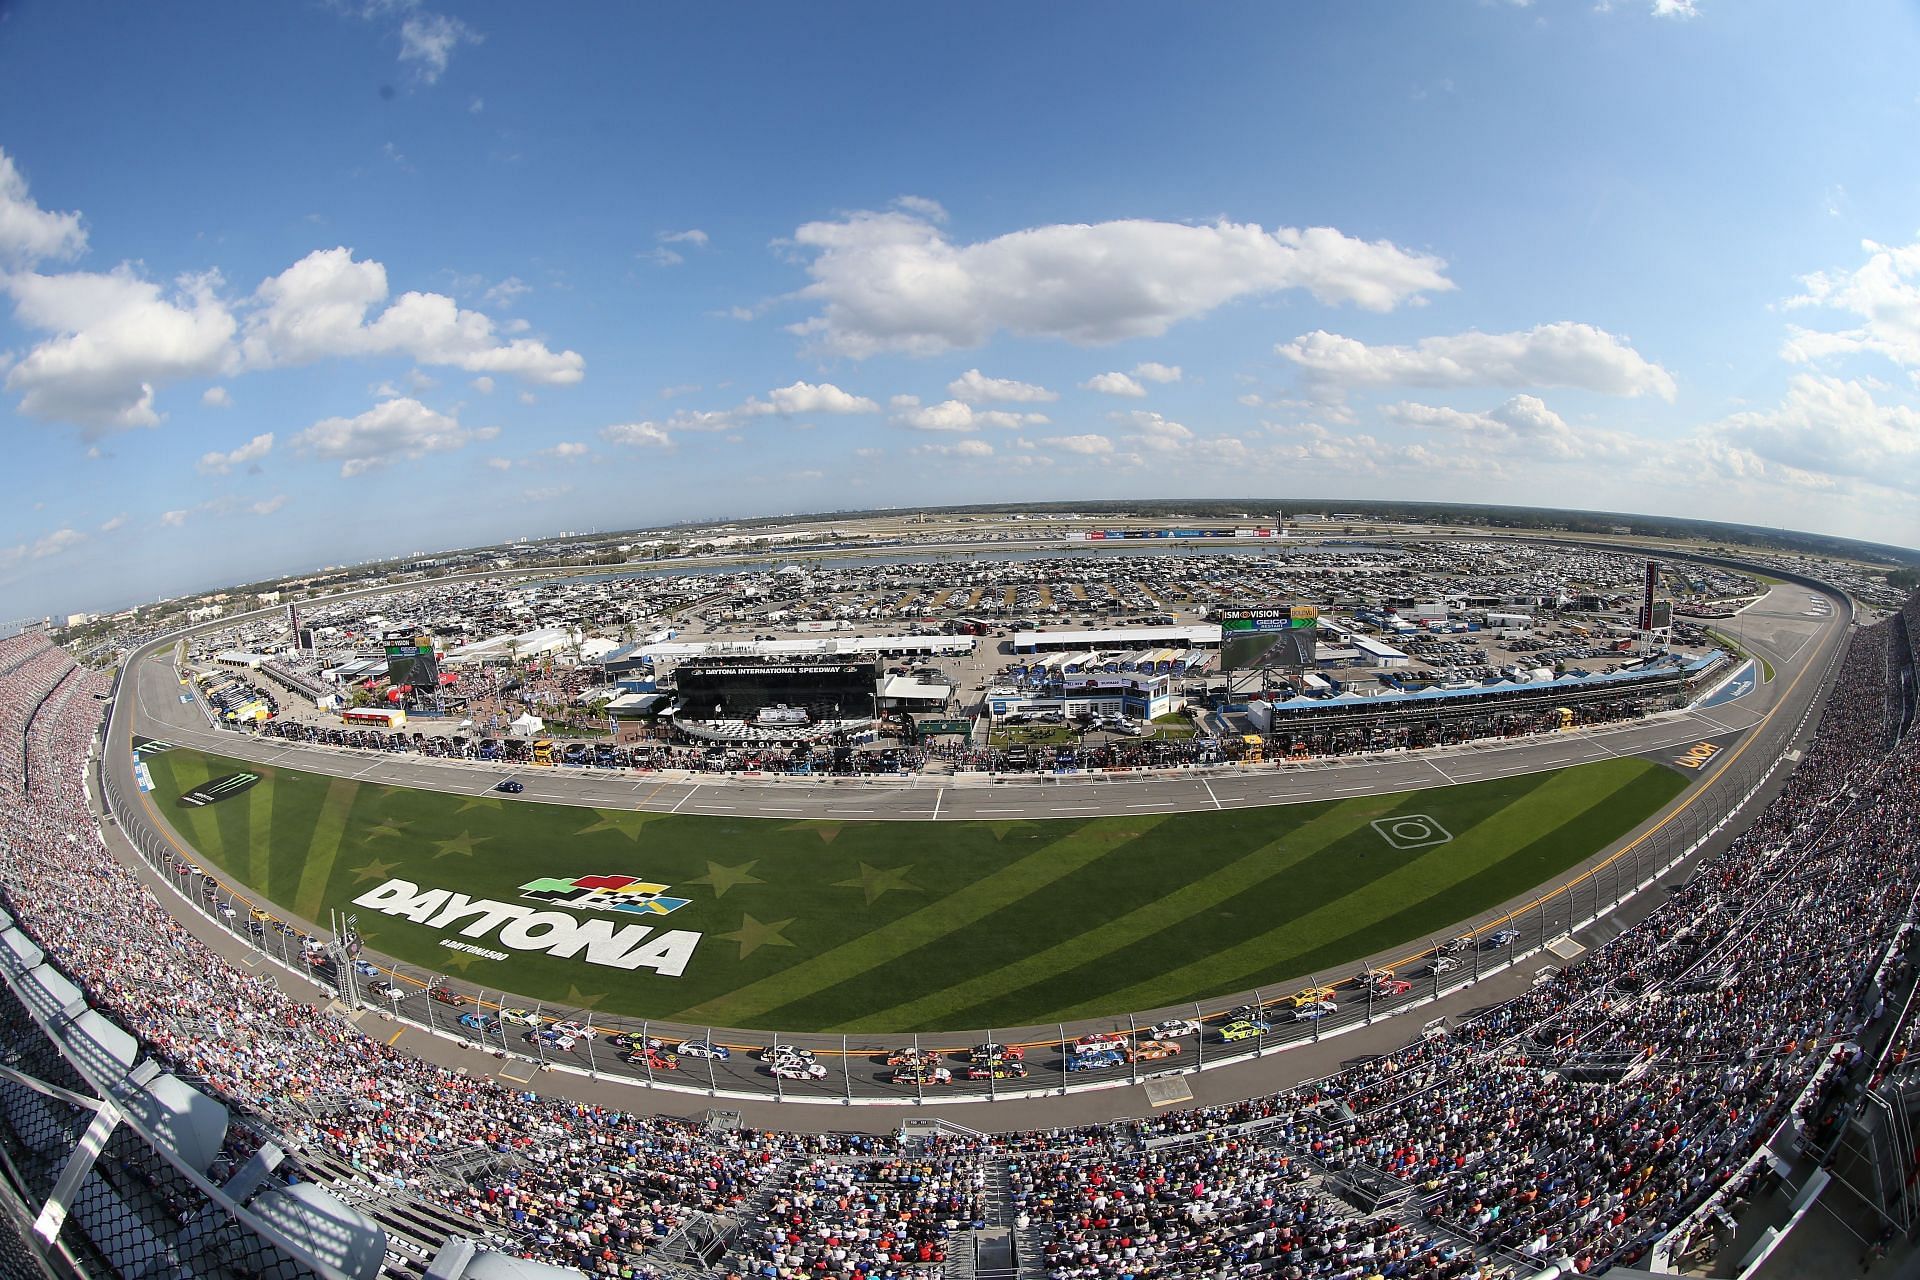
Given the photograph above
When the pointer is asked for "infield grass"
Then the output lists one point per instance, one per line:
(906, 926)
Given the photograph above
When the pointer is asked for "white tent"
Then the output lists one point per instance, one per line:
(526, 726)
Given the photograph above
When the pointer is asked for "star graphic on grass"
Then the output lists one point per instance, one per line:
(610, 820)
(724, 878)
(375, 870)
(873, 881)
(387, 827)
(752, 935)
(461, 844)
(476, 802)
(581, 1001)
(459, 959)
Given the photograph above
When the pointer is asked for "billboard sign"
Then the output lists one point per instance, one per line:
(1278, 638)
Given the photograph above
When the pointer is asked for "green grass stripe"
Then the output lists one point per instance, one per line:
(1562, 799)
(939, 919)
(1606, 820)
(328, 829)
(1127, 930)
(260, 828)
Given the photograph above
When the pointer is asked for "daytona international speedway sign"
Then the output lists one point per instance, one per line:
(561, 934)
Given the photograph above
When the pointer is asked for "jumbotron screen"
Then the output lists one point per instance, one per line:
(737, 691)
(1277, 639)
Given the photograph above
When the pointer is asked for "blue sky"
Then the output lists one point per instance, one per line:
(295, 285)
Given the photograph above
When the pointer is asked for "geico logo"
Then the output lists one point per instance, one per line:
(558, 933)
(1697, 755)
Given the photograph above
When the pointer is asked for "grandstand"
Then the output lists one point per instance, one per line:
(163, 1112)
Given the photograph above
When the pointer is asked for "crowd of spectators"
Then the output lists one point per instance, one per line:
(1584, 1118)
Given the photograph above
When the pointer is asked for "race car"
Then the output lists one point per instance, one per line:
(1005, 1069)
(479, 1022)
(1100, 1040)
(551, 1038)
(654, 1060)
(519, 1017)
(578, 1030)
(1443, 964)
(626, 1040)
(907, 1057)
(774, 1051)
(387, 991)
(1094, 1059)
(1315, 1011)
(1388, 988)
(447, 995)
(1311, 995)
(704, 1049)
(1154, 1050)
(991, 1052)
(1503, 938)
(1173, 1029)
(1245, 1029)
(798, 1069)
(1454, 946)
(922, 1075)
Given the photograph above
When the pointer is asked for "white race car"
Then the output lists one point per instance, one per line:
(798, 1069)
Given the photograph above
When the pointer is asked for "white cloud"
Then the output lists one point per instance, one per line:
(976, 388)
(1675, 9)
(317, 308)
(113, 523)
(637, 433)
(389, 431)
(28, 233)
(507, 292)
(220, 464)
(546, 493)
(483, 384)
(958, 449)
(566, 450)
(894, 281)
(679, 389)
(1823, 427)
(958, 415)
(806, 397)
(1883, 292)
(267, 506)
(1153, 432)
(500, 464)
(1523, 425)
(1090, 444)
(115, 336)
(427, 40)
(693, 236)
(173, 519)
(56, 542)
(1114, 384)
(1153, 371)
(1563, 354)
(216, 398)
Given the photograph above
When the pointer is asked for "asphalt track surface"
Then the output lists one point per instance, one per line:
(1780, 627)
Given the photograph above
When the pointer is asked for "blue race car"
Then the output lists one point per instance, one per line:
(1094, 1061)
(483, 1023)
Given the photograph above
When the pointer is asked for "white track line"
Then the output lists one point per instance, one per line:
(1210, 795)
